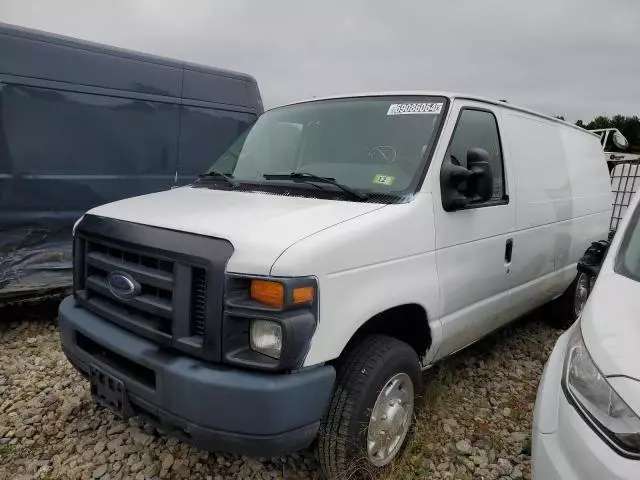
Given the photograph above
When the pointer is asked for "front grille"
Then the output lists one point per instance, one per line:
(178, 277)
(198, 301)
(153, 307)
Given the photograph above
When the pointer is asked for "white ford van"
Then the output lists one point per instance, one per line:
(337, 248)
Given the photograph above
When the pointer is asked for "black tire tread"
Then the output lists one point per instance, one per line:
(351, 377)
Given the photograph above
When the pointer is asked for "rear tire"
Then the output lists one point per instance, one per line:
(371, 412)
(568, 307)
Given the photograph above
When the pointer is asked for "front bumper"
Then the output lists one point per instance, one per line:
(564, 445)
(212, 406)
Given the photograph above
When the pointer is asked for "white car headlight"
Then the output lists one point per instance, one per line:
(266, 338)
(588, 390)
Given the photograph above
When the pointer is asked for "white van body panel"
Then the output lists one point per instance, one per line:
(563, 202)
(367, 266)
(260, 226)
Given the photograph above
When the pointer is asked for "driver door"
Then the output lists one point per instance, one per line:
(474, 244)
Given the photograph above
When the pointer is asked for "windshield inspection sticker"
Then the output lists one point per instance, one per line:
(414, 108)
(384, 180)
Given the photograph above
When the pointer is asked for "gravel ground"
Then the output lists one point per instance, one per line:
(478, 408)
(475, 424)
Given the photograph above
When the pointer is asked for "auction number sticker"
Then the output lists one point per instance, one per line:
(414, 108)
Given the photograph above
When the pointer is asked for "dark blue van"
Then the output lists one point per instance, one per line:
(82, 124)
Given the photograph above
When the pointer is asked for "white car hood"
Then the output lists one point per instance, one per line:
(611, 325)
(259, 225)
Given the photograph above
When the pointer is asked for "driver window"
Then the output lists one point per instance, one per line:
(479, 128)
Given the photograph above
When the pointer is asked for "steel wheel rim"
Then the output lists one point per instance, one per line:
(390, 419)
(581, 294)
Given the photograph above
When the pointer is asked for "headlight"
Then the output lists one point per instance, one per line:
(268, 322)
(266, 338)
(592, 395)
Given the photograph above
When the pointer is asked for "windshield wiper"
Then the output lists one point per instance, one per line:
(223, 176)
(310, 177)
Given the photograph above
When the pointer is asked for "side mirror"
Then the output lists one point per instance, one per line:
(620, 141)
(480, 183)
(461, 186)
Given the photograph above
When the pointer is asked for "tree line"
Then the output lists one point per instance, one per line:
(629, 126)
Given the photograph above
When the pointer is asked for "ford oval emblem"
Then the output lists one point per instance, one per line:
(122, 285)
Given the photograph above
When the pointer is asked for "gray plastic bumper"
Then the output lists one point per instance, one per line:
(212, 406)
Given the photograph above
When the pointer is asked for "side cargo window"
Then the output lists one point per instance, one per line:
(479, 129)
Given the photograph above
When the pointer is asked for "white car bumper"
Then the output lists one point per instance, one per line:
(564, 446)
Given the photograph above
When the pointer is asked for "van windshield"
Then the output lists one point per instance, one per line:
(628, 260)
(375, 145)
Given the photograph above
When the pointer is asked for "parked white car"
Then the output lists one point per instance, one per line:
(336, 249)
(587, 414)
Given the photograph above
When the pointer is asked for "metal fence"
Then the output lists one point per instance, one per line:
(625, 181)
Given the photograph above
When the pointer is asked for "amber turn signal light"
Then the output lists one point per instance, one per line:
(303, 295)
(268, 292)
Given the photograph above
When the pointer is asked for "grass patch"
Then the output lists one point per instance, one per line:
(7, 449)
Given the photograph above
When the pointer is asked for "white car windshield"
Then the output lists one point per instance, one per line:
(373, 145)
(628, 260)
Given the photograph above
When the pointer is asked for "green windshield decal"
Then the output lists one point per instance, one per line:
(384, 180)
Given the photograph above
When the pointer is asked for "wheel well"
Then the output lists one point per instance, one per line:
(407, 323)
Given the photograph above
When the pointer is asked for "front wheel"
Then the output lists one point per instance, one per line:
(372, 408)
(568, 307)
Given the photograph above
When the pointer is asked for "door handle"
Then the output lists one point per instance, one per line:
(508, 251)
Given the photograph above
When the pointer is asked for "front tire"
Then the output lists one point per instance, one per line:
(371, 412)
(568, 308)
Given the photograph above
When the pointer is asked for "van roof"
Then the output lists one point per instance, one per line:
(450, 96)
(40, 35)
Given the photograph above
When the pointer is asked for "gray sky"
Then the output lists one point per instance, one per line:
(577, 58)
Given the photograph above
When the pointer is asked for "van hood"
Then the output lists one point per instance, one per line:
(259, 225)
(610, 325)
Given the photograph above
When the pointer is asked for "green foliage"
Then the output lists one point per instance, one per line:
(6, 449)
(629, 126)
